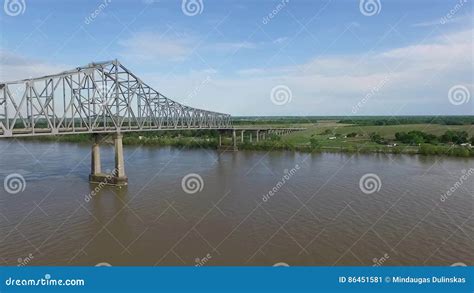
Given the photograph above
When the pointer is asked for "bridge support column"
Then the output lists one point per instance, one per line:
(263, 135)
(250, 136)
(257, 135)
(242, 136)
(96, 168)
(220, 139)
(234, 139)
(120, 178)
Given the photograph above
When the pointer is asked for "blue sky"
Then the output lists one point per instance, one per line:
(329, 56)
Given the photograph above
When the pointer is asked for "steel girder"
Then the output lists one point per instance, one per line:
(100, 97)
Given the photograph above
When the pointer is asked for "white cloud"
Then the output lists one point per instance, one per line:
(15, 67)
(232, 46)
(418, 79)
(146, 46)
(152, 46)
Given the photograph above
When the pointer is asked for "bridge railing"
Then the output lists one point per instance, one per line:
(100, 97)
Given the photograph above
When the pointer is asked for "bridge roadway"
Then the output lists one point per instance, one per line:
(105, 98)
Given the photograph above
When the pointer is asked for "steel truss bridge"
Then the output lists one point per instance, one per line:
(102, 97)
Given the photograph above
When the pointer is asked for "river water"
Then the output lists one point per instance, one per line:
(323, 209)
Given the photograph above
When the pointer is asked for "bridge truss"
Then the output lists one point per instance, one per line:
(98, 98)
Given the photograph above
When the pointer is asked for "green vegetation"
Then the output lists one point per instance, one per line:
(428, 139)
(416, 137)
(444, 136)
(400, 120)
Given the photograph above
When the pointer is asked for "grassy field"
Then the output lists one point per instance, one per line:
(330, 135)
(386, 131)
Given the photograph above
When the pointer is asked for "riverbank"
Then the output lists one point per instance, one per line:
(424, 135)
(291, 142)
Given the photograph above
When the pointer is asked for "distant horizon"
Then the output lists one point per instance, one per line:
(346, 116)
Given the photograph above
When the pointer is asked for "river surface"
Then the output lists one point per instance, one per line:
(317, 213)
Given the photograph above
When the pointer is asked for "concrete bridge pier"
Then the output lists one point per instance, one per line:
(118, 176)
(119, 172)
(220, 139)
(257, 136)
(96, 168)
(242, 136)
(234, 139)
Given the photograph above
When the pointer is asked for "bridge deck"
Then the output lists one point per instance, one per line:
(84, 130)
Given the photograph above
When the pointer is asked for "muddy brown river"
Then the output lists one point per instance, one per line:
(205, 207)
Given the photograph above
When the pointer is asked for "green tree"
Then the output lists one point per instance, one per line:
(314, 144)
